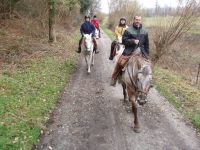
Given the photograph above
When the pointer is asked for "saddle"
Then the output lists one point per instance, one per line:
(123, 60)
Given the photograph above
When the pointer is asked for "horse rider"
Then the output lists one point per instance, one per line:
(96, 24)
(119, 30)
(87, 28)
(133, 37)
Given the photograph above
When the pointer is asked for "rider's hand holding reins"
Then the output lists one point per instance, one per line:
(136, 41)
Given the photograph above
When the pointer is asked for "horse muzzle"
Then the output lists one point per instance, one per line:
(141, 100)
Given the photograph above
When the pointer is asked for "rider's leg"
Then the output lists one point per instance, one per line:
(118, 68)
(79, 46)
(112, 50)
(95, 45)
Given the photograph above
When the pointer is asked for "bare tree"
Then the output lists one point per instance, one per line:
(173, 30)
(123, 8)
(95, 6)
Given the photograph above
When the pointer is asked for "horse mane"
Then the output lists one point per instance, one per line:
(146, 70)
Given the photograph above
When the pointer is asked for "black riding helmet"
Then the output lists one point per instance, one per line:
(86, 16)
(123, 18)
(124, 24)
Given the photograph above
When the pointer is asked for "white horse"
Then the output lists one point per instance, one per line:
(96, 33)
(88, 51)
(119, 50)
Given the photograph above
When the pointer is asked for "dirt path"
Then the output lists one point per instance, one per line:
(91, 116)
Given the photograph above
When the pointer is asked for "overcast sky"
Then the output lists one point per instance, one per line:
(144, 3)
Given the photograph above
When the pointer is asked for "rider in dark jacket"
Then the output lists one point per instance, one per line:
(87, 28)
(135, 33)
(133, 37)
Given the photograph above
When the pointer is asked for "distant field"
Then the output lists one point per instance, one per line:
(165, 21)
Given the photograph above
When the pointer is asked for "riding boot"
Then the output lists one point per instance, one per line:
(115, 74)
(79, 46)
(121, 63)
(112, 50)
(95, 46)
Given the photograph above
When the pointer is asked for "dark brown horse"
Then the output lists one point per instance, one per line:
(135, 81)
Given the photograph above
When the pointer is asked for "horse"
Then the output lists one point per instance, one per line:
(135, 81)
(96, 33)
(88, 51)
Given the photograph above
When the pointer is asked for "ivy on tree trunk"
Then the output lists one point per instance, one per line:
(51, 20)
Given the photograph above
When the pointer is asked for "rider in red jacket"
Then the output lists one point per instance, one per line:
(96, 23)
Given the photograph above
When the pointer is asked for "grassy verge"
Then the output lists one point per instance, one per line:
(183, 95)
(27, 95)
(108, 32)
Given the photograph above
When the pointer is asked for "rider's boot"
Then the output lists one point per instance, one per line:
(79, 47)
(112, 50)
(115, 74)
(79, 50)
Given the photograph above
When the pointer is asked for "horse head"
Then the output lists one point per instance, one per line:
(88, 41)
(143, 83)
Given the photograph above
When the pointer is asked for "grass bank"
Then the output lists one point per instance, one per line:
(28, 94)
(108, 32)
(184, 96)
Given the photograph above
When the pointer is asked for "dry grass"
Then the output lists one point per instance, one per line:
(17, 46)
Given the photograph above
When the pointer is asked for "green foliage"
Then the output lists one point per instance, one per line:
(70, 4)
(85, 4)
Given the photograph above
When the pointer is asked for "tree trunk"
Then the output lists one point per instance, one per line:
(51, 20)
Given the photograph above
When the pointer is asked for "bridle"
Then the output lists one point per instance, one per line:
(134, 84)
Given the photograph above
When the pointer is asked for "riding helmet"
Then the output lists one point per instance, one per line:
(123, 18)
(87, 16)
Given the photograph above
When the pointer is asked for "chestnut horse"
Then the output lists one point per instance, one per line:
(135, 81)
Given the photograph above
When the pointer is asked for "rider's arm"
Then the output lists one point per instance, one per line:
(117, 32)
(128, 40)
(81, 30)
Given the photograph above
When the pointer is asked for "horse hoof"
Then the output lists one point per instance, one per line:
(136, 129)
(126, 100)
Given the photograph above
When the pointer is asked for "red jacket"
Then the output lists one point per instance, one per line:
(95, 22)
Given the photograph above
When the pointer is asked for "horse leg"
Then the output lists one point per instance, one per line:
(92, 58)
(134, 109)
(89, 62)
(86, 61)
(124, 92)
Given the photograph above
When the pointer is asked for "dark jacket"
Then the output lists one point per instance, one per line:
(135, 33)
(87, 28)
